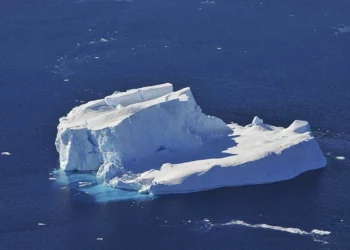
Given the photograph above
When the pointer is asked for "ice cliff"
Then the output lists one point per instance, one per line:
(156, 140)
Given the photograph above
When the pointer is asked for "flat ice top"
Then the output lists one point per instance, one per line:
(253, 154)
(107, 112)
(245, 144)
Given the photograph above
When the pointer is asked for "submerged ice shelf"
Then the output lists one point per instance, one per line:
(156, 140)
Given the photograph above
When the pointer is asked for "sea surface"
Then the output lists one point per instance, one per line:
(280, 60)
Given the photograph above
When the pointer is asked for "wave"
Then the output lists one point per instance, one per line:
(316, 234)
(291, 230)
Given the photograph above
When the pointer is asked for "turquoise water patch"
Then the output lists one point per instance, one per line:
(88, 184)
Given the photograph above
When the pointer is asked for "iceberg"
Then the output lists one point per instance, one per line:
(157, 140)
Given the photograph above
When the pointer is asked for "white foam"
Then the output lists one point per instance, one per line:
(291, 230)
(345, 29)
(266, 226)
(321, 241)
(84, 183)
(207, 2)
(341, 158)
(320, 232)
(6, 153)
(99, 238)
(102, 40)
(41, 224)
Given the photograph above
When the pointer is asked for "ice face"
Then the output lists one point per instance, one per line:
(95, 133)
(257, 121)
(155, 140)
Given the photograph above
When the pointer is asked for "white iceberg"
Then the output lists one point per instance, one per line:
(156, 140)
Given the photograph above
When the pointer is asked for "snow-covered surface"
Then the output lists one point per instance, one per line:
(155, 140)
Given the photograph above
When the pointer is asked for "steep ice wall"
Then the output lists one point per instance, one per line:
(130, 130)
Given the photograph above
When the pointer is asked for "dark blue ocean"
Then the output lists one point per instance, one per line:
(280, 60)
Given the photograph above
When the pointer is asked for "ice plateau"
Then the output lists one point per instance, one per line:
(157, 140)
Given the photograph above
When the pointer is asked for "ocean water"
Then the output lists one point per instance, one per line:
(281, 60)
